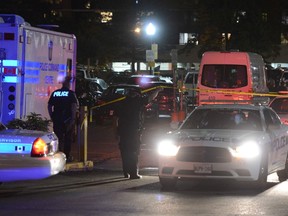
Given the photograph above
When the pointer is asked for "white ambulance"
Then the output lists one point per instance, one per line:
(33, 62)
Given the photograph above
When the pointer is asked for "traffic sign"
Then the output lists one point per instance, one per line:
(154, 48)
(150, 56)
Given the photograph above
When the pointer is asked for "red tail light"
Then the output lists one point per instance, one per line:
(164, 99)
(39, 148)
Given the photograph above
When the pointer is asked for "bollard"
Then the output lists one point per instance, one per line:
(82, 129)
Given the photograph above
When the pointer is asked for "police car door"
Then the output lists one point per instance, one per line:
(279, 139)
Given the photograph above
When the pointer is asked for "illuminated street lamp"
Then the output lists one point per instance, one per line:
(150, 29)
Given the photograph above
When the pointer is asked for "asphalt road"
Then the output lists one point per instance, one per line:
(102, 145)
(103, 190)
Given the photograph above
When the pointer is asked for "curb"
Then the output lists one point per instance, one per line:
(79, 166)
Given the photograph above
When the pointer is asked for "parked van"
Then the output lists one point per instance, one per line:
(231, 76)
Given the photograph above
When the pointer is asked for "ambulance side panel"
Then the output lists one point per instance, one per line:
(33, 63)
(48, 59)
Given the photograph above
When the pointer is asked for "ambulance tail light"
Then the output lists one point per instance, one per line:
(39, 148)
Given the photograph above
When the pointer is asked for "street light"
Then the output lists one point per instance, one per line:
(150, 31)
(136, 32)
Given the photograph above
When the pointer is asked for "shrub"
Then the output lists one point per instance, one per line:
(33, 121)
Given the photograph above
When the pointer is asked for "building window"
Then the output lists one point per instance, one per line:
(264, 17)
(106, 16)
(185, 38)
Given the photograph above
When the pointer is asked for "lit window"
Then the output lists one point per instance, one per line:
(106, 16)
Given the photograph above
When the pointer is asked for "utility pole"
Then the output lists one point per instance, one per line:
(174, 117)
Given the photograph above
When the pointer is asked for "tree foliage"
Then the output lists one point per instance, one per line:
(243, 21)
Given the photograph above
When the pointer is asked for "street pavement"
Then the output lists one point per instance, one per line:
(102, 145)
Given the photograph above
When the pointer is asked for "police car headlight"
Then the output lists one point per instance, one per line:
(249, 149)
(167, 148)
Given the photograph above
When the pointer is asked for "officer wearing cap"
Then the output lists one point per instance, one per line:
(62, 107)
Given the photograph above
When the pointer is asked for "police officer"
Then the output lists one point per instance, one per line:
(129, 113)
(62, 107)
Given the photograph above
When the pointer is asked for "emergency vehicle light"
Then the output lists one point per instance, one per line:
(9, 79)
(10, 63)
(39, 148)
(32, 64)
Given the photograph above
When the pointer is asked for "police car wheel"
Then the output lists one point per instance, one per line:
(283, 174)
(168, 183)
(261, 183)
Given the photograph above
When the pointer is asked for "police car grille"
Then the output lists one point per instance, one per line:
(204, 154)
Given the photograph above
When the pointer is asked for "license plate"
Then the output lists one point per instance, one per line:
(203, 168)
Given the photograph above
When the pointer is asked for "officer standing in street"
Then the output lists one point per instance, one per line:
(62, 107)
(130, 113)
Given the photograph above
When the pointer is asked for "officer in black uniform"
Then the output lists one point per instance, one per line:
(129, 113)
(62, 107)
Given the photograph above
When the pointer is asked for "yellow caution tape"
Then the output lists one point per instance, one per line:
(269, 94)
(181, 90)
(122, 98)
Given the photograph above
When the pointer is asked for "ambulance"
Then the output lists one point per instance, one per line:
(33, 62)
(226, 77)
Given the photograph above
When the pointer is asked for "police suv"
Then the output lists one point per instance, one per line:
(231, 141)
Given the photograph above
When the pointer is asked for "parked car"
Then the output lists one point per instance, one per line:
(163, 104)
(235, 142)
(29, 155)
(83, 73)
(280, 105)
(87, 92)
(104, 106)
(101, 82)
(118, 79)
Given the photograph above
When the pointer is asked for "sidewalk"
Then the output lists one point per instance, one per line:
(102, 147)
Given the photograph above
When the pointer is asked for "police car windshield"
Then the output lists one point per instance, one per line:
(230, 119)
